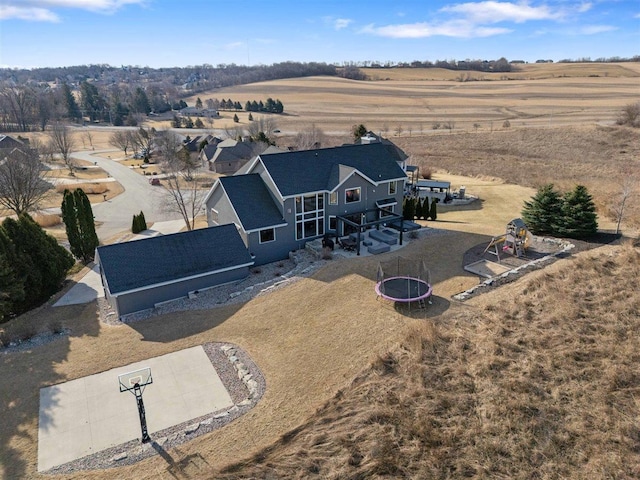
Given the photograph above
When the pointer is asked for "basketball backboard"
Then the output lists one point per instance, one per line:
(129, 380)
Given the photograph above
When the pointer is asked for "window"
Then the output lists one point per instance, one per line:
(267, 235)
(214, 216)
(392, 188)
(309, 216)
(352, 195)
(387, 208)
(333, 198)
(333, 223)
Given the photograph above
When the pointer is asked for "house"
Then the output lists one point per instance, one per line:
(139, 274)
(8, 144)
(230, 155)
(286, 199)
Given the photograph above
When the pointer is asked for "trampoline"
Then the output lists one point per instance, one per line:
(404, 281)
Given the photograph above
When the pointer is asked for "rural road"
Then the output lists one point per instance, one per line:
(115, 215)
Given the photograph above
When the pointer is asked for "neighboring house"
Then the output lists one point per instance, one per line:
(287, 199)
(231, 155)
(8, 144)
(139, 274)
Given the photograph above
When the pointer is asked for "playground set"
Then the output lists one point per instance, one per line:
(514, 243)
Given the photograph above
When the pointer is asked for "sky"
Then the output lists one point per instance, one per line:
(179, 33)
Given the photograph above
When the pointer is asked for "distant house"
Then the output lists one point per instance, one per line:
(8, 144)
(286, 199)
(139, 274)
(230, 155)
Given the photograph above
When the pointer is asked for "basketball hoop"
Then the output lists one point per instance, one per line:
(135, 382)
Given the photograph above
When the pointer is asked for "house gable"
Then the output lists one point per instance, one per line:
(252, 202)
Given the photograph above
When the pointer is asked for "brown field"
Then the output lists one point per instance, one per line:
(535, 379)
(540, 95)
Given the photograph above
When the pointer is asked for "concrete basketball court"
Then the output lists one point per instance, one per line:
(84, 416)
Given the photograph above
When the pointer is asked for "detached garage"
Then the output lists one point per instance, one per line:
(139, 274)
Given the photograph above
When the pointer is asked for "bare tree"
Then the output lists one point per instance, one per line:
(20, 105)
(450, 125)
(142, 139)
(184, 194)
(627, 192)
(309, 138)
(22, 183)
(63, 143)
(122, 139)
(264, 125)
(88, 136)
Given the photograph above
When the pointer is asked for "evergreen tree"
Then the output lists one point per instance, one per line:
(247, 106)
(175, 122)
(77, 215)
(358, 131)
(38, 258)
(199, 123)
(433, 212)
(279, 107)
(70, 219)
(73, 110)
(250, 117)
(11, 286)
(140, 102)
(409, 208)
(270, 105)
(254, 106)
(579, 219)
(235, 118)
(198, 103)
(418, 211)
(543, 213)
(87, 225)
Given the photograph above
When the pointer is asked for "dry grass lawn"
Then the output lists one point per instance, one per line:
(538, 381)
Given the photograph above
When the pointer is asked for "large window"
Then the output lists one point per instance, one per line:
(267, 235)
(309, 216)
(214, 216)
(352, 195)
(392, 188)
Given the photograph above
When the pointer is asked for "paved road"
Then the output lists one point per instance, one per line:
(116, 214)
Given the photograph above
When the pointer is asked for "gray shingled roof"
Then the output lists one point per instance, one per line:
(306, 171)
(252, 201)
(168, 258)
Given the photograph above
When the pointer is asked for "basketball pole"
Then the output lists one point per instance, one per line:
(143, 419)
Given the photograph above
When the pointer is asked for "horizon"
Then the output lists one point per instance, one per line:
(171, 34)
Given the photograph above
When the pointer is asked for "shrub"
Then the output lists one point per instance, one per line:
(88, 188)
(630, 115)
(47, 220)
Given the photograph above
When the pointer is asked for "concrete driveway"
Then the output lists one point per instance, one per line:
(115, 215)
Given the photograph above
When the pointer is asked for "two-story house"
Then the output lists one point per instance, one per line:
(285, 199)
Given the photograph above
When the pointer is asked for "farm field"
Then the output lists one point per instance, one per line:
(533, 378)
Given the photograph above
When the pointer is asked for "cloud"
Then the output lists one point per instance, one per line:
(33, 14)
(337, 23)
(496, 12)
(459, 29)
(595, 29)
(585, 7)
(44, 10)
